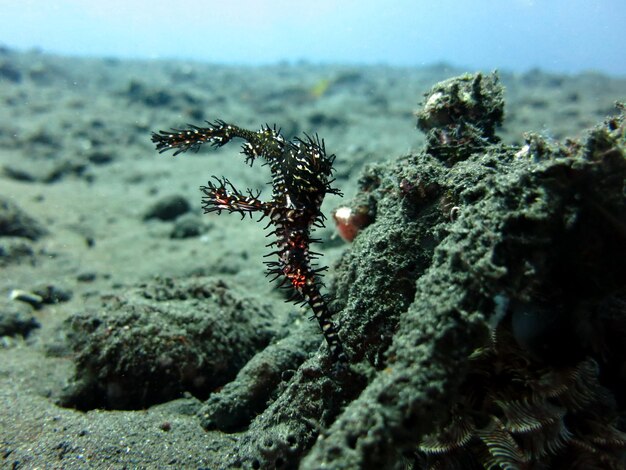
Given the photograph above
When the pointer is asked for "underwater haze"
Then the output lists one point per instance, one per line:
(345, 235)
(557, 35)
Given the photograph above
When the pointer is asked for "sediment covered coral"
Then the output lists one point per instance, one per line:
(466, 238)
(157, 341)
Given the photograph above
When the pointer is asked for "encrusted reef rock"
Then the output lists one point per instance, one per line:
(234, 407)
(155, 342)
(460, 116)
(482, 260)
(473, 239)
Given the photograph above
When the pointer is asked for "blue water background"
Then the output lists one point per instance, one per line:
(516, 35)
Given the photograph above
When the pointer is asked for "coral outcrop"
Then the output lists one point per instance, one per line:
(470, 236)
